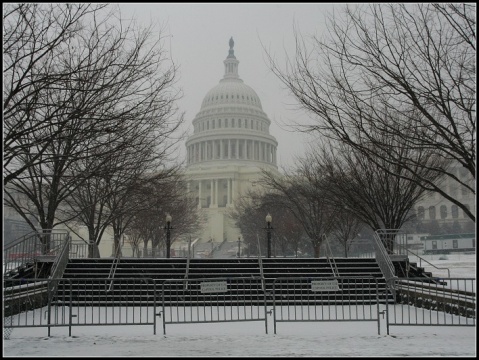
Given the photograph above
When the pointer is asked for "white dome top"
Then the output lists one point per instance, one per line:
(229, 91)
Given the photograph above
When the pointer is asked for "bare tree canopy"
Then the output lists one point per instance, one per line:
(357, 184)
(250, 213)
(302, 193)
(408, 70)
(156, 197)
(97, 101)
(34, 35)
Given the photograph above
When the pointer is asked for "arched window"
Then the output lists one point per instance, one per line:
(455, 211)
(420, 213)
(432, 212)
(443, 211)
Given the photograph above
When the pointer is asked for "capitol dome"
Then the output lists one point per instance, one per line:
(231, 123)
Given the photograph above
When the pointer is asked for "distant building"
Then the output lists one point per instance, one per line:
(230, 145)
(436, 215)
(445, 244)
(14, 225)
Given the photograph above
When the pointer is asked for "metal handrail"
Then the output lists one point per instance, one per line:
(330, 257)
(421, 258)
(26, 248)
(58, 268)
(114, 266)
(185, 283)
(401, 247)
(384, 263)
(260, 261)
(61, 260)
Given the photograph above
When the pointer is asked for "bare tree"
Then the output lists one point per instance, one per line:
(33, 37)
(250, 213)
(119, 91)
(158, 198)
(346, 229)
(288, 231)
(302, 194)
(383, 63)
(357, 184)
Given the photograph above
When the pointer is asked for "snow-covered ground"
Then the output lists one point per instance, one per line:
(459, 265)
(248, 339)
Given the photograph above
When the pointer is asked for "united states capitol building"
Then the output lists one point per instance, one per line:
(229, 147)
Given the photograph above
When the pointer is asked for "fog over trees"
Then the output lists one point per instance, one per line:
(408, 70)
(91, 124)
(89, 110)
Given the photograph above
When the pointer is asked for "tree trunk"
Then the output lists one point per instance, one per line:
(316, 249)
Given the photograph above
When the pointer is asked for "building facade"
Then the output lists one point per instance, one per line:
(229, 147)
(434, 212)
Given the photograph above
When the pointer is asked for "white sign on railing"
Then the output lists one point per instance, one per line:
(324, 285)
(213, 287)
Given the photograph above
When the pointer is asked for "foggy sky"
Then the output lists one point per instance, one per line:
(197, 36)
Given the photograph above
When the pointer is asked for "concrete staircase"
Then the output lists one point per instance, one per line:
(91, 279)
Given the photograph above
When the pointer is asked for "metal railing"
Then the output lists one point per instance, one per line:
(260, 262)
(384, 260)
(134, 301)
(452, 302)
(80, 302)
(330, 257)
(309, 299)
(187, 271)
(60, 262)
(399, 239)
(26, 249)
(21, 251)
(407, 251)
(213, 300)
(114, 265)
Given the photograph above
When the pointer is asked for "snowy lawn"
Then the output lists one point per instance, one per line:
(246, 339)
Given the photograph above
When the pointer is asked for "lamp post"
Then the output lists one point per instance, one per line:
(268, 233)
(239, 246)
(168, 235)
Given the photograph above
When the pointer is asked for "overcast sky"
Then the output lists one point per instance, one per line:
(198, 36)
